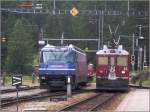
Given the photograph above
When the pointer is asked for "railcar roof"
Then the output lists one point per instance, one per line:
(106, 51)
(123, 52)
(71, 47)
(48, 47)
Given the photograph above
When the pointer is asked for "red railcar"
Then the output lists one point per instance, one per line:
(90, 70)
(26, 4)
(112, 68)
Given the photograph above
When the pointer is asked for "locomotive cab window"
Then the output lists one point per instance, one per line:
(122, 61)
(58, 56)
(103, 61)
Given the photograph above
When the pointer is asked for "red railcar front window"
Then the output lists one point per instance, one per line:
(122, 61)
(103, 61)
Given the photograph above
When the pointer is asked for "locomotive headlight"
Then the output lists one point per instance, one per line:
(123, 72)
(43, 77)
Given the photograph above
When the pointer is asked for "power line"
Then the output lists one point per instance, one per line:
(73, 39)
(80, 12)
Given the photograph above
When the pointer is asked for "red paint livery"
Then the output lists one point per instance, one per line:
(112, 68)
(90, 70)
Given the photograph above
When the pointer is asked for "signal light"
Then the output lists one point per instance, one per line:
(3, 39)
(132, 59)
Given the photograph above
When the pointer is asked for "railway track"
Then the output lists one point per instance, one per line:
(9, 101)
(96, 101)
(89, 104)
(20, 89)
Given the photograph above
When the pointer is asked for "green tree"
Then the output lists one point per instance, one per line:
(20, 49)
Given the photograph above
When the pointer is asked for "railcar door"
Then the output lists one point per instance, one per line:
(112, 68)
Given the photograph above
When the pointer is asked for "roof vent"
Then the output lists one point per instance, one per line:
(105, 47)
(70, 46)
(120, 48)
(48, 45)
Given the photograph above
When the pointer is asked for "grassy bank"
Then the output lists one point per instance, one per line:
(26, 80)
(141, 78)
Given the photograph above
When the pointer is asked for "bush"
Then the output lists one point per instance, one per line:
(140, 77)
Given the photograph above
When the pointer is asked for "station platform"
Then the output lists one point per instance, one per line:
(135, 101)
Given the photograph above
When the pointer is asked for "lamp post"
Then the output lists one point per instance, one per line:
(140, 49)
(99, 40)
(140, 59)
(133, 56)
(144, 62)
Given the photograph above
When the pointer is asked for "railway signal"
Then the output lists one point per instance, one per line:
(132, 59)
(17, 81)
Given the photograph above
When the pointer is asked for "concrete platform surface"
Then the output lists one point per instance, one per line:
(137, 100)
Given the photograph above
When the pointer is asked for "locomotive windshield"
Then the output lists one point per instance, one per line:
(103, 60)
(57, 56)
(122, 61)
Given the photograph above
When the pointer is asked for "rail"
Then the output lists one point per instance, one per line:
(89, 104)
(20, 89)
(9, 101)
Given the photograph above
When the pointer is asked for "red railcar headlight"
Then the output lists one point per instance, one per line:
(123, 72)
(100, 71)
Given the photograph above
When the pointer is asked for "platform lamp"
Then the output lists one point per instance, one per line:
(140, 52)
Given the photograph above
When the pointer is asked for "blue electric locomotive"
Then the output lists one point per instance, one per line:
(59, 62)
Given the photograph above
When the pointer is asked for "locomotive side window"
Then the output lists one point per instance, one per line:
(122, 61)
(103, 60)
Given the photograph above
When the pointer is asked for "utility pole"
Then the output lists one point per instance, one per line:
(62, 38)
(133, 56)
(99, 40)
(144, 62)
(140, 59)
(128, 8)
(42, 35)
(108, 44)
(140, 28)
(54, 8)
(140, 49)
(102, 28)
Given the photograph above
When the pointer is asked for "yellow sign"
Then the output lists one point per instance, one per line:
(73, 11)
